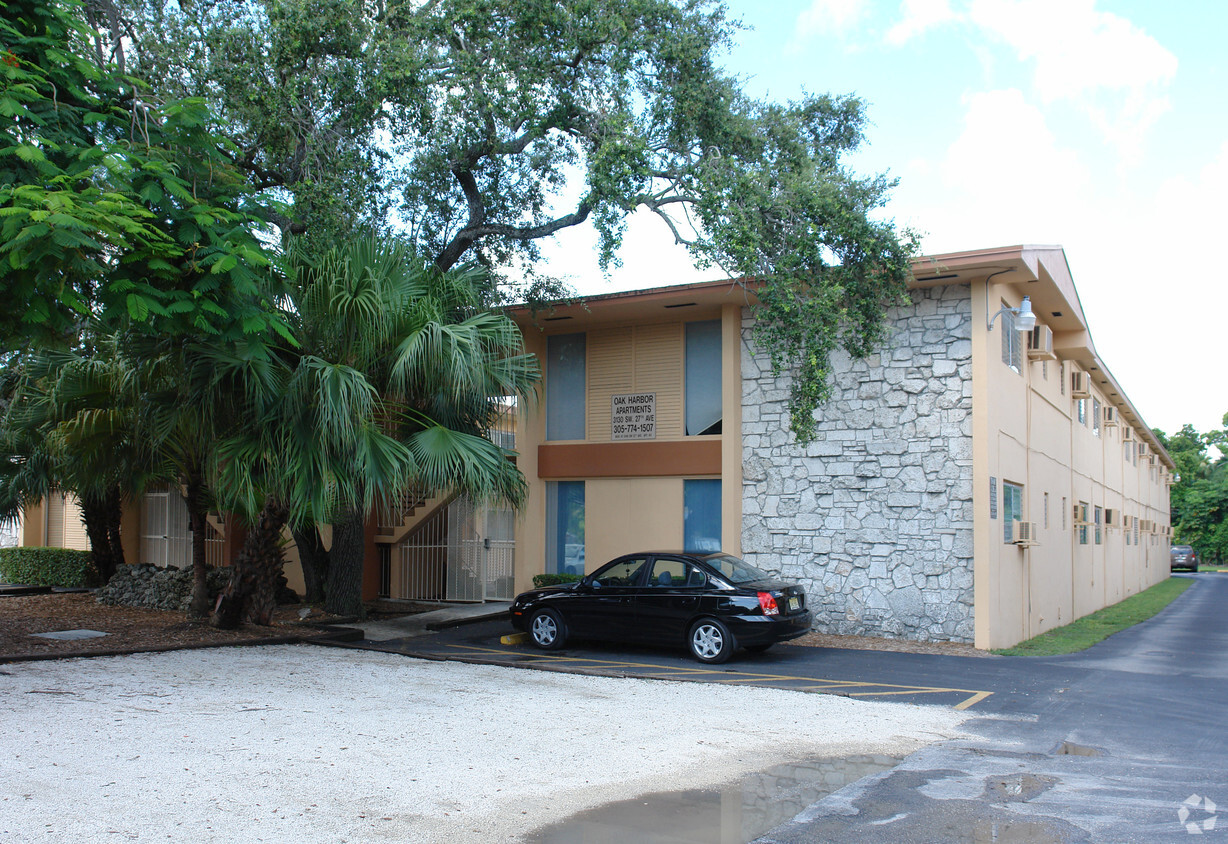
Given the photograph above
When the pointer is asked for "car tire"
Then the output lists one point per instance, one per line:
(710, 641)
(758, 649)
(1194, 568)
(547, 630)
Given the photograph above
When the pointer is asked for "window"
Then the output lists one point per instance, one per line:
(1012, 509)
(1096, 417)
(621, 573)
(1063, 512)
(1081, 404)
(1046, 502)
(1062, 378)
(675, 573)
(1099, 521)
(701, 515)
(703, 378)
(1044, 369)
(1082, 519)
(1126, 524)
(565, 387)
(565, 527)
(993, 498)
(1012, 343)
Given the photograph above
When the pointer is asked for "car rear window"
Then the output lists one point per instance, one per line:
(737, 571)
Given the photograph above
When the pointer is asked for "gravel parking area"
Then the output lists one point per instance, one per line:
(303, 743)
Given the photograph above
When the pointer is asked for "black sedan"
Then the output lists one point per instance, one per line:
(714, 603)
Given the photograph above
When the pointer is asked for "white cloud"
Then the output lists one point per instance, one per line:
(1008, 175)
(823, 17)
(1077, 49)
(918, 17)
(1096, 59)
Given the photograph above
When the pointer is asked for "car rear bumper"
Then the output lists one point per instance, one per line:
(765, 629)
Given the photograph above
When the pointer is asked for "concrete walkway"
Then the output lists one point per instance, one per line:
(420, 624)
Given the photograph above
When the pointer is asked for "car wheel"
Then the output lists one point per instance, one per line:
(711, 641)
(1194, 568)
(758, 649)
(547, 631)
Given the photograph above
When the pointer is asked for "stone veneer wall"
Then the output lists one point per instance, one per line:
(874, 517)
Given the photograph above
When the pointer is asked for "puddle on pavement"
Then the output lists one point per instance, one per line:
(1069, 748)
(733, 814)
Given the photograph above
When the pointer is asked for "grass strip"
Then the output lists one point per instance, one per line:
(1084, 632)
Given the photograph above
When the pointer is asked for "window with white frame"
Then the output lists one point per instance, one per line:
(1012, 343)
(1012, 509)
(1081, 410)
(1096, 417)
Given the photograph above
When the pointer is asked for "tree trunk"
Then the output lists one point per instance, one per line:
(101, 515)
(314, 558)
(198, 521)
(343, 595)
(252, 591)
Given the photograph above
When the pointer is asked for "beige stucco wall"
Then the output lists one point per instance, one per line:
(1028, 433)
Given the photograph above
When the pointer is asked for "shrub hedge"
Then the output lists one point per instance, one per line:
(540, 580)
(32, 566)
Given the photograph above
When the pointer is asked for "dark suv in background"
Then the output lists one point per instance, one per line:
(1183, 557)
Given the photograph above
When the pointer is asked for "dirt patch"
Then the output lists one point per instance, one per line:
(127, 628)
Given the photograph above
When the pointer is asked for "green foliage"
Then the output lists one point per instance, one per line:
(1082, 633)
(487, 125)
(1199, 498)
(114, 204)
(47, 567)
(541, 580)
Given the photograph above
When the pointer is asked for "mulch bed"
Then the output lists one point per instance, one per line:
(129, 629)
(132, 629)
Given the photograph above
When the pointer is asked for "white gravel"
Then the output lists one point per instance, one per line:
(310, 744)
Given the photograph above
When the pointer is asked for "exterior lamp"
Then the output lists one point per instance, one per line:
(1025, 320)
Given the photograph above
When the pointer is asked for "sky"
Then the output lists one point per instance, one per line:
(1097, 125)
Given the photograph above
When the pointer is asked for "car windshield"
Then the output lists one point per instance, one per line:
(737, 571)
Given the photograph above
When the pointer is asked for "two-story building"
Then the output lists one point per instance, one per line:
(969, 482)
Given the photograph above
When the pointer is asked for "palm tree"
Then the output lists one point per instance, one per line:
(65, 428)
(394, 383)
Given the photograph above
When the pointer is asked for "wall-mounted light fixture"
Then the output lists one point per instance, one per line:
(1025, 320)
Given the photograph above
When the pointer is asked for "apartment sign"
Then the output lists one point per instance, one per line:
(633, 416)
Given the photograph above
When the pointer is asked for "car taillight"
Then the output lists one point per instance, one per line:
(768, 604)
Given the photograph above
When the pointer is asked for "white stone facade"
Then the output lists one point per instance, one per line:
(875, 516)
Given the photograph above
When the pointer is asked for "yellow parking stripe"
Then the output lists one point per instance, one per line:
(734, 677)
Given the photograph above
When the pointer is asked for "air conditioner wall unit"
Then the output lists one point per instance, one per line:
(1110, 415)
(1023, 533)
(1080, 385)
(1127, 434)
(1112, 517)
(1040, 343)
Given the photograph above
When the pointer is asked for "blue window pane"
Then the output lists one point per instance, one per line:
(703, 377)
(565, 527)
(565, 385)
(701, 515)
